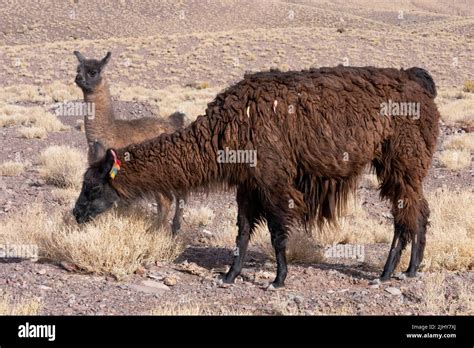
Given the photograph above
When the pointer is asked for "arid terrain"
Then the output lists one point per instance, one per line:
(177, 55)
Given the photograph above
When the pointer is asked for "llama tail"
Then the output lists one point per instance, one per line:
(423, 78)
(177, 119)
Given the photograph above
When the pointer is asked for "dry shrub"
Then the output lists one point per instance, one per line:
(355, 227)
(468, 86)
(11, 115)
(300, 247)
(450, 238)
(33, 132)
(202, 216)
(11, 168)
(455, 159)
(193, 309)
(111, 244)
(460, 300)
(460, 142)
(22, 306)
(458, 111)
(62, 166)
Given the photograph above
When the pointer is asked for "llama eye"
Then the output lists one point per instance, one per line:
(92, 73)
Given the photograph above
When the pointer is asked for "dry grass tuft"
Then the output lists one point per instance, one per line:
(460, 142)
(21, 306)
(62, 166)
(193, 309)
(111, 244)
(202, 216)
(11, 115)
(300, 246)
(11, 168)
(455, 159)
(33, 132)
(450, 239)
(468, 86)
(457, 109)
(438, 301)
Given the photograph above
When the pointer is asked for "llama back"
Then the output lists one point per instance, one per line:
(330, 123)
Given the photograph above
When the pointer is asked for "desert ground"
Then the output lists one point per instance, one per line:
(168, 56)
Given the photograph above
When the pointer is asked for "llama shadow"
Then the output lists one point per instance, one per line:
(215, 258)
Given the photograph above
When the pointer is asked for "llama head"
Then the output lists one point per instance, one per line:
(89, 72)
(97, 194)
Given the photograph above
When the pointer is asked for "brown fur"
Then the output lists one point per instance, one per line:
(309, 160)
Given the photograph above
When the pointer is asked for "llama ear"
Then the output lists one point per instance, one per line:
(79, 56)
(106, 59)
(99, 149)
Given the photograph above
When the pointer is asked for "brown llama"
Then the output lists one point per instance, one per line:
(104, 130)
(314, 132)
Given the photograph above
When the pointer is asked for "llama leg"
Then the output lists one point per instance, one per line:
(249, 212)
(410, 216)
(163, 208)
(178, 213)
(398, 244)
(418, 241)
(279, 238)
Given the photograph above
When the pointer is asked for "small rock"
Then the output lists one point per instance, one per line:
(156, 285)
(70, 267)
(44, 287)
(374, 286)
(375, 281)
(298, 299)
(393, 291)
(401, 276)
(140, 271)
(170, 281)
(42, 271)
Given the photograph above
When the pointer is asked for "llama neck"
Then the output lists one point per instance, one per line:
(102, 122)
(178, 162)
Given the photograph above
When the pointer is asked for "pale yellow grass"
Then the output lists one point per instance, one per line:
(11, 115)
(62, 166)
(456, 159)
(460, 142)
(354, 227)
(21, 306)
(450, 238)
(202, 216)
(111, 244)
(457, 109)
(48, 93)
(462, 303)
(300, 246)
(65, 196)
(33, 132)
(193, 309)
(11, 168)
